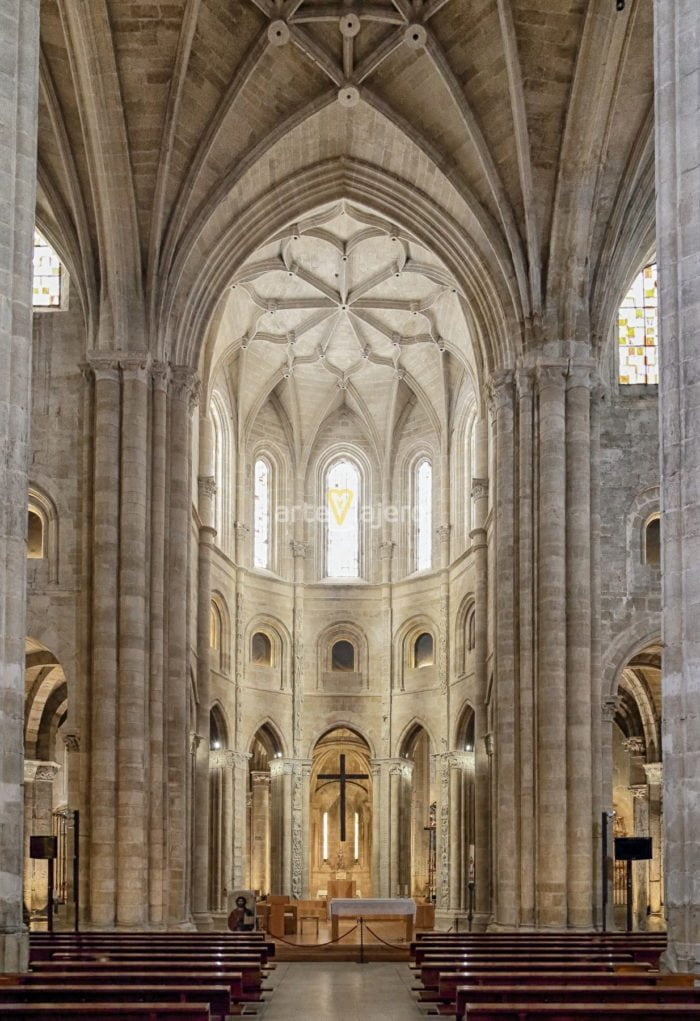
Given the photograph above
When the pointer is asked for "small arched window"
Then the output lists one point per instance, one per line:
(652, 541)
(342, 492)
(343, 656)
(35, 536)
(423, 650)
(423, 512)
(217, 731)
(637, 327)
(261, 649)
(261, 515)
(471, 630)
(215, 633)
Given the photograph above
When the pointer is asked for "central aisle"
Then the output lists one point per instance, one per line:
(340, 992)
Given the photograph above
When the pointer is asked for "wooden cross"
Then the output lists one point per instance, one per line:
(342, 777)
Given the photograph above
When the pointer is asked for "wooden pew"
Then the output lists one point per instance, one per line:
(450, 981)
(589, 994)
(579, 1011)
(50, 1011)
(217, 997)
(431, 971)
(48, 952)
(251, 974)
(231, 980)
(648, 954)
(460, 954)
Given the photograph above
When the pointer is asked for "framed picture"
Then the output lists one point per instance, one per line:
(241, 911)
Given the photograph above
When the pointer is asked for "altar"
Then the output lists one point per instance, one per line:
(380, 909)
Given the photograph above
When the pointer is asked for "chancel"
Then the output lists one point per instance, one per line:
(349, 474)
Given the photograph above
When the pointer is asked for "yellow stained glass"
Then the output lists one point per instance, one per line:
(637, 330)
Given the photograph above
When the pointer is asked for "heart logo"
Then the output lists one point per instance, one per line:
(340, 501)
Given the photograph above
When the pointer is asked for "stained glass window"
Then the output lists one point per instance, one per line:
(343, 535)
(261, 515)
(637, 325)
(47, 274)
(424, 515)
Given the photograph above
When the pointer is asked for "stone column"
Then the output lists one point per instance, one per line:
(238, 765)
(39, 779)
(654, 775)
(157, 630)
(399, 833)
(640, 794)
(103, 690)
(526, 643)
(18, 116)
(482, 815)
(551, 679)
(228, 824)
(132, 793)
(183, 397)
(377, 858)
(506, 711)
(579, 785)
(302, 851)
(460, 763)
(382, 849)
(677, 66)
(206, 494)
(608, 709)
(260, 832)
(599, 798)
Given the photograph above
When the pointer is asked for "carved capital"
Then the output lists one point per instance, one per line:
(298, 550)
(524, 382)
(103, 366)
(499, 389)
(206, 487)
(654, 773)
(443, 533)
(160, 374)
(38, 770)
(480, 489)
(550, 376)
(639, 791)
(490, 744)
(579, 376)
(634, 745)
(72, 742)
(259, 779)
(609, 708)
(134, 367)
(185, 385)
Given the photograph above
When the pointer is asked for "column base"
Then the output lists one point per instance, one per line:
(14, 951)
(203, 921)
(681, 957)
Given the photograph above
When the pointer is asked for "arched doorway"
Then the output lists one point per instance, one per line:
(637, 785)
(264, 843)
(419, 870)
(341, 751)
(47, 808)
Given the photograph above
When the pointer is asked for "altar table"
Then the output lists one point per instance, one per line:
(374, 909)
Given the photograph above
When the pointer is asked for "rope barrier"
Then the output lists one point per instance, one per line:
(394, 946)
(311, 946)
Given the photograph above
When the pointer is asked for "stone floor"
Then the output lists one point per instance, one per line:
(340, 992)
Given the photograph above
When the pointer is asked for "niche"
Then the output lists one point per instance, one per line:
(423, 652)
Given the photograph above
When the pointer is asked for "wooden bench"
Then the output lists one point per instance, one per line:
(217, 997)
(50, 1011)
(251, 974)
(639, 1011)
(232, 980)
(459, 954)
(608, 993)
(450, 981)
(64, 950)
(431, 971)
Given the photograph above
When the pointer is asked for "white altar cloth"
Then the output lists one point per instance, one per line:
(372, 907)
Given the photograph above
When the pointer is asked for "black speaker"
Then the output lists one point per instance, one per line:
(43, 847)
(633, 848)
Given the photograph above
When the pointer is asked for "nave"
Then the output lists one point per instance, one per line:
(343, 991)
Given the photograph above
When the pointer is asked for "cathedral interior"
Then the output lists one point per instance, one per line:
(350, 423)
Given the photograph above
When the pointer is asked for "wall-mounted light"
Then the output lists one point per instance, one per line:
(216, 745)
(469, 748)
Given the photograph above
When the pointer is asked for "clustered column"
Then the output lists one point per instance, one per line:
(677, 66)
(542, 701)
(18, 115)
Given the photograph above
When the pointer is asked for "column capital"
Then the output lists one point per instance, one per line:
(298, 549)
(524, 382)
(499, 389)
(580, 376)
(260, 779)
(639, 791)
(135, 367)
(103, 366)
(443, 533)
(480, 489)
(386, 550)
(160, 375)
(71, 741)
(461, 759)
(609, 708)
(634, 745)
(654, 772)
(186, 385)
(206, 487)
(40, 769)
(550, 376)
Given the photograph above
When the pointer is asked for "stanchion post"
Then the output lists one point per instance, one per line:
(76, 869)
(362, 941)
(629, 892)
(470, 914)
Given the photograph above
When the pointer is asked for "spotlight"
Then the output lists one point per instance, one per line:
(620, 5)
